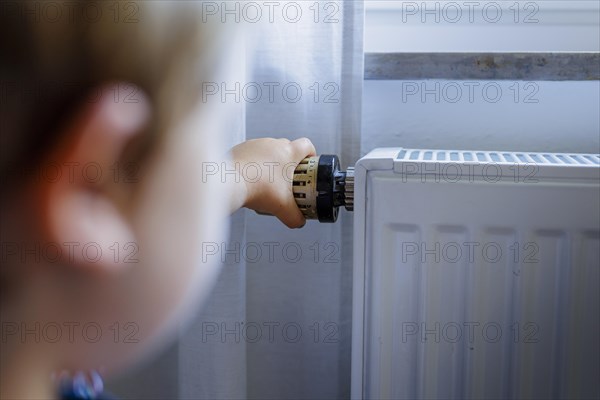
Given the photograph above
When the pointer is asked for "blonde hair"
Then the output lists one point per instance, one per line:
(54, 53)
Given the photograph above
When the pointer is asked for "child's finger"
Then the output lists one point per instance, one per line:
(303, 148)
(291, 215)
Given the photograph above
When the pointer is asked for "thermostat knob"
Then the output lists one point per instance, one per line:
(320, 187)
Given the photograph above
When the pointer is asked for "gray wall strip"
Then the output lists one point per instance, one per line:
(578, 66)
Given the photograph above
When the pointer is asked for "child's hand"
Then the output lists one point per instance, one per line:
(267, 168)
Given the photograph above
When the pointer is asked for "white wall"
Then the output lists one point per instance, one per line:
(500, 115)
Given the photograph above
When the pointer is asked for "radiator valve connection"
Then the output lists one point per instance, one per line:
(320, 187)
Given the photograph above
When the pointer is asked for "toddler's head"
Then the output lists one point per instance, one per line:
(104, 132)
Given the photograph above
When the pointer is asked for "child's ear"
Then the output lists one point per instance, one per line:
(80, 210)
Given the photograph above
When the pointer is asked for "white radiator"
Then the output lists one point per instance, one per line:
(476, 275)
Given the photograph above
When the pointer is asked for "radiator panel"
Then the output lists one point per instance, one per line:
(478, 288)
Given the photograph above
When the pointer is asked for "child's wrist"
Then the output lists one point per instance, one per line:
(239, 188)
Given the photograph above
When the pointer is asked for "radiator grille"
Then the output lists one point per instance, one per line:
(498, 157)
